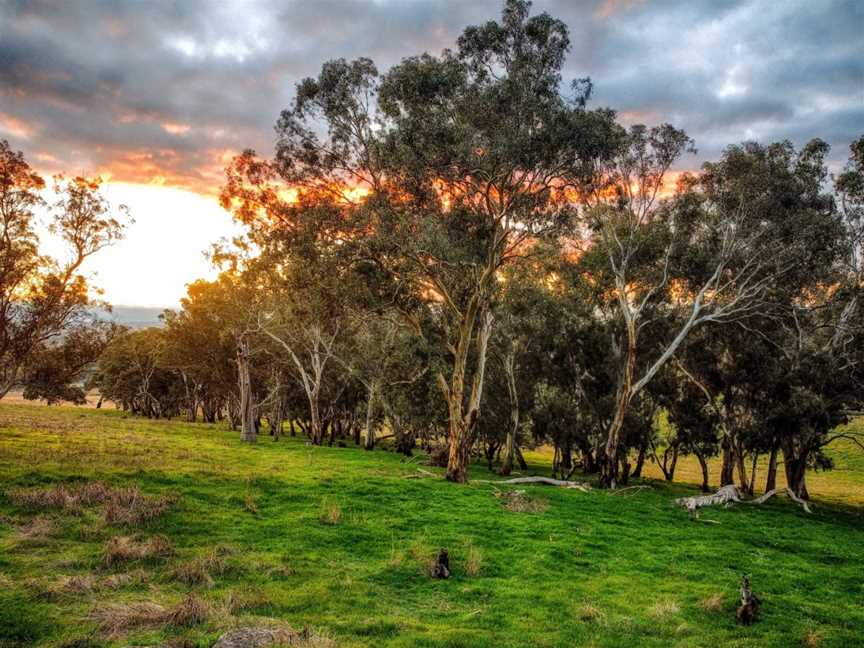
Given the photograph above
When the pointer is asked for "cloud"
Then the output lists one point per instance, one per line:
(163, 92)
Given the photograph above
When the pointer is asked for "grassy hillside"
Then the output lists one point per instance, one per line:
(338, 540)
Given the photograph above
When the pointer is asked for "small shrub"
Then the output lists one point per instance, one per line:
(331, 513)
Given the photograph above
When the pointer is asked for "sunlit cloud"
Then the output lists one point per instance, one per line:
(161, 96)
(13, 127)
(176, 129)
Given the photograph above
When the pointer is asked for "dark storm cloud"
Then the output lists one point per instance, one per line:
(170, 89)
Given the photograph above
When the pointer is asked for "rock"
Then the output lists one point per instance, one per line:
(252, 638)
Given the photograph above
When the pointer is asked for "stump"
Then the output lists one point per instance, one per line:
(750, 603)
(441, 568)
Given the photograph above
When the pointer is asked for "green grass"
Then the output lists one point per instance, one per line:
(592, 569)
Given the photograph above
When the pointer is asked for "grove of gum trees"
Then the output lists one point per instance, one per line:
(423, 188)
(459, 253)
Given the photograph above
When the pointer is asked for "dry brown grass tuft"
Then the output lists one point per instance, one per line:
(521, 502)
(75, 584)
(120, 549)
(126, 506)
(396, 558)
(192, 610)
(39, 528)
(249, 504)
(115, 619)
(137, 577)
(589, 613)
(424, 554)
(473, 560)
(134, 509)
(663, 609)
(812, 638)
(246, 599)
(193, 573)
(330, 514)
(713, 603)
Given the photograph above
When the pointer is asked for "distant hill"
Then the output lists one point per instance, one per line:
(136, 316)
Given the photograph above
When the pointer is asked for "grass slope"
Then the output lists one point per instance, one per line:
(337, 539)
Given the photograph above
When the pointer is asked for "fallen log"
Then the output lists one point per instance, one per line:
(539, 480)
(730, 494)
(726, 495)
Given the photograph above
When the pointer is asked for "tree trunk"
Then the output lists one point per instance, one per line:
(510, 441)
(520, 459)
(609, 459)
(795, 464)
(771, 481)
(704, 466)
(370, 415)
(461, 426)
(316, 432)
(753, 462)
(640, 460)
(742, 469)
(248, 429)
(726, 468)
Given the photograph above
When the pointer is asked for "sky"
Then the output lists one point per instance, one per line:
(156, 96)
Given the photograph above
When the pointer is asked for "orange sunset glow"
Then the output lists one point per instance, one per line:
(160, 135)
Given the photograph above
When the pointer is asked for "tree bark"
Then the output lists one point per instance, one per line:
(771, 480)
(609, 459)
(510, 441)
(369, 443)
(248, 429)
(462, 425)
(704, 466)
(795, 464)
(640, 460)
(726, 468)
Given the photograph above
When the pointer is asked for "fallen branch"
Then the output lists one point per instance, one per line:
(538, 480)
(764, 498)
(630, 488)
(420, 474)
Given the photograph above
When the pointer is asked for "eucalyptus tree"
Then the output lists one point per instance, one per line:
(455, 163)
(714, 253)
(43, 299)
(201, 341)
(59, 370)
(130, 373)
